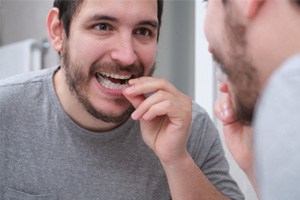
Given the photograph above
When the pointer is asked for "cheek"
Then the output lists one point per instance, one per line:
(87, 52)
(209, 22)
(147, 56)
(214, 23)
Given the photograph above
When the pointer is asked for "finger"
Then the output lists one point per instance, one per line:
(227, 111)
(156, 110)
(168, 108)
(147, 85)
(149, 102)
(224, 110)
(136, 101)
(217, 109)
(223, 87)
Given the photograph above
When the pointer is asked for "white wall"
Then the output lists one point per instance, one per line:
(204, 70)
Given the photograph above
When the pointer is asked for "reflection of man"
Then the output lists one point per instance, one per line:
(66, 132)
(257, 42)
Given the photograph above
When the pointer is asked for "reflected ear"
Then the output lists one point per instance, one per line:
(55, 29)
(254, 7)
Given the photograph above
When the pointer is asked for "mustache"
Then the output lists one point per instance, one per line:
(111, 67)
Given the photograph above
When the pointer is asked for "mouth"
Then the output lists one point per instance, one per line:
(113, 81)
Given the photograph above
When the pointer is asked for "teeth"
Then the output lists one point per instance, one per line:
(110, 85)
(116, 76)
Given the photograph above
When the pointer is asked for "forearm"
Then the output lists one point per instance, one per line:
(252, 179)
(186, 181)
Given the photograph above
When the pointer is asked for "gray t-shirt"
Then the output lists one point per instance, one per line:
(44, 155)
(277, 134)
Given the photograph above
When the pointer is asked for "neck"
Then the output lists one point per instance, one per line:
(274, 34)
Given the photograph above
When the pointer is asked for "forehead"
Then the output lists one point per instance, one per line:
(120, 9)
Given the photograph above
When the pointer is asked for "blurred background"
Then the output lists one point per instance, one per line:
(183, 58)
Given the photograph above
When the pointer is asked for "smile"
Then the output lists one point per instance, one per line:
(113, 81)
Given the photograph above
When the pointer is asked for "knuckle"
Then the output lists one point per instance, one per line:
(162, 81)
(168, 104)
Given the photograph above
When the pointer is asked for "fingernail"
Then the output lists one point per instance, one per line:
(134, 116)
(225, 106)
(132, 81)
(225, 113)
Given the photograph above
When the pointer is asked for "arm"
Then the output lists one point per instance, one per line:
(165, 119)
(238, 136)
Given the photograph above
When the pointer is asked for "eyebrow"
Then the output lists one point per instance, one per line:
(102, 17)
(153, 23)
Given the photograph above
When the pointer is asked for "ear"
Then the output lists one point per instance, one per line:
(254, 7)
(55, 29)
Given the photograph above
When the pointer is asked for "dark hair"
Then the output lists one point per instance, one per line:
(68, 8)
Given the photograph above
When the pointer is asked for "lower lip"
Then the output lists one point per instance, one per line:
(108, 91)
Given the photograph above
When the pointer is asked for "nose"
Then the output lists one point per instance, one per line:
(124, 52)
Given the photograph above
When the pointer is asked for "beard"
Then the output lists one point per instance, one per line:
(238, 67)
(77, 82)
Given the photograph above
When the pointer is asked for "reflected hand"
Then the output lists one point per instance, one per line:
(238, 136)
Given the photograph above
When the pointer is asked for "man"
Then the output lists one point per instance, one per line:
(66, 132)
(257, 45)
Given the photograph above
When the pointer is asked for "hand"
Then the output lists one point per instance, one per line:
(238, 136)
(165, 116)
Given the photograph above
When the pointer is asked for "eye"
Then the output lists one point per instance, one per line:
(144, 32)
(103, 27)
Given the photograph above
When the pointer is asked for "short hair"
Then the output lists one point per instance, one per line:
(68, 8)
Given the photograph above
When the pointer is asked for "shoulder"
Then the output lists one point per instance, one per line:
(23, 98)
(280, 102)
(202, 131)
(198, 111)
(25, 78)
(289, 69)
(282, 92)
(20, 89)
(286, 77)
(201, 120)
(21, 83)
(276, 129)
